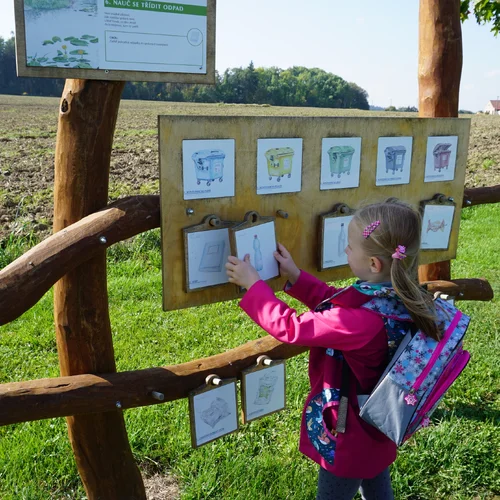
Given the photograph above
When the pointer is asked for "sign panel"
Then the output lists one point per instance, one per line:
(147, 39)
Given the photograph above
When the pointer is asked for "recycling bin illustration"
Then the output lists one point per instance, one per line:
(340, 159)
(209, 165)
(441, 154)
(279, 162)
(394, 158)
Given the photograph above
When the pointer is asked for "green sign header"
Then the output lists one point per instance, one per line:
(168, 7)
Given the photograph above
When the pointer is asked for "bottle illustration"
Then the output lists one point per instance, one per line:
(342, 241)
(259, 265)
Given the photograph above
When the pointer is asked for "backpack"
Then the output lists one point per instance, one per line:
(419, 373)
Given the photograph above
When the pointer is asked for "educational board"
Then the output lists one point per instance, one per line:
(131, 40)
(300, 227)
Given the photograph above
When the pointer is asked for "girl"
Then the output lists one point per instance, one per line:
(351, 333)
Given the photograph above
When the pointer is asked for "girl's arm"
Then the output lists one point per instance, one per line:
(339, 328)
(309, 290)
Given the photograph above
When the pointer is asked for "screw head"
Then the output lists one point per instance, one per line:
(103, 240)
(451, 198)
(118, 404)
(189, 211)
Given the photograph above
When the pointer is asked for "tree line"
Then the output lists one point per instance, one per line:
(296, 86)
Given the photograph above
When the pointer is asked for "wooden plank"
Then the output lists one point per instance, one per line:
(481, 195)
(299, 232)
(114, 75)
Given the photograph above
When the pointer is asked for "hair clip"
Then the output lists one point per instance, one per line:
(400, 253)
(370, 228)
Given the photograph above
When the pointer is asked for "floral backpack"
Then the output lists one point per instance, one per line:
(421, 369)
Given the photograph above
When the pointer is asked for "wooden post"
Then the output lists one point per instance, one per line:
(439, 72)
(87, 119)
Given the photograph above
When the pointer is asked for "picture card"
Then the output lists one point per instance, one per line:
(213, 412)
(393, 160)
(441, 158)
(436, 226)
(340, 162)
(207, 253)
(260, 242)
(263, 390)
(279, 166)
(334, 241)
(208, 168)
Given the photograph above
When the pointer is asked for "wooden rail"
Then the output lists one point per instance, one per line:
(87, 394)
(24, 282)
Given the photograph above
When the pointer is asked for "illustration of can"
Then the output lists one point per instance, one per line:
(340, 159)
(394, 158)
(441, 156)
(209, 165)
(279, 162)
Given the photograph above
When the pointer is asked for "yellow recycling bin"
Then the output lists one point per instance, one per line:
(279, 162)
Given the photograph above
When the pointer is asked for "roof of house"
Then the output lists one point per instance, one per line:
(496, 105)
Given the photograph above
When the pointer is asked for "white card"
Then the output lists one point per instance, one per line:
(208, 168)
(279, 166)
(260, 243)
(441, 158)
(340, 162)
(393, 160)
(335, 241)
(436, 226)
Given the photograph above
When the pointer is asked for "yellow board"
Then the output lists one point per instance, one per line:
(300, 231)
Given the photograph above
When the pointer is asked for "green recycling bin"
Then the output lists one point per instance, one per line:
(340, 159)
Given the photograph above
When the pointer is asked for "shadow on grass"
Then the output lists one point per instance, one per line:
(470, 412)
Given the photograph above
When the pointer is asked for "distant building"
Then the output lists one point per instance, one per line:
(492, 108)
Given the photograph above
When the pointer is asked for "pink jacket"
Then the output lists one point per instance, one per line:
(362, 451)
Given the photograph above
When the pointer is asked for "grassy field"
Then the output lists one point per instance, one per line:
(456, 458)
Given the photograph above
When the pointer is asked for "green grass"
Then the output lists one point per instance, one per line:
(456, 458)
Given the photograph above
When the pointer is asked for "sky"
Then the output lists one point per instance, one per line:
(373, 44)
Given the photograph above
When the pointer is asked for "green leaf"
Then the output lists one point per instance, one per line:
(95, 40)
(56, 39)
(82, 65)
(59, 52)
(70, 38)
(48, 42)
(79, 43)
(87, 37)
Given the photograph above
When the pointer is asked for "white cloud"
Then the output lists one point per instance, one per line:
(491, 74)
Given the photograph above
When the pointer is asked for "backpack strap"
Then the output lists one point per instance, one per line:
(344, 400)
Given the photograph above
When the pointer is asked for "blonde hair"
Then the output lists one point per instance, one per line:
(400, 224)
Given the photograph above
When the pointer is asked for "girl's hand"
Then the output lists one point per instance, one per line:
(241, 272)
(288, 269)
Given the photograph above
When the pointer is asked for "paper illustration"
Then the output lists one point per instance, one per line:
(340, 162)
(279, 166)
(393, 160)
(335, 241)
(208, 168)
(215, 413)
(260, 243)
(207, 252)
(436, 226)
(264, 391)
(441, 158)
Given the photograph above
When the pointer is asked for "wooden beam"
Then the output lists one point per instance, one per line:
(87, 120)
(24, 282)
(481, 196)
(85, 394)
(439, 71)
(462, 289)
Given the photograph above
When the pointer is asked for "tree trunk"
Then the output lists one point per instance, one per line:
(439, 72)
(87, 119)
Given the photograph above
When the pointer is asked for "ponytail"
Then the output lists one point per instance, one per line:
(417, 301)
(400, 225)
